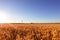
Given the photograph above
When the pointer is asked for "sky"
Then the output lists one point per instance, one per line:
(31, 11)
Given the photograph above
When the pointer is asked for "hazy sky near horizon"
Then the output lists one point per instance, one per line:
(31, 10)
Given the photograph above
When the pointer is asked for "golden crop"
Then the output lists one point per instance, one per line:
(29, 31)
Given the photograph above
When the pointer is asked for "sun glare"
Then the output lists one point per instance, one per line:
(3, 17)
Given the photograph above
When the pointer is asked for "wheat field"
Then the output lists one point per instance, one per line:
(29, 31)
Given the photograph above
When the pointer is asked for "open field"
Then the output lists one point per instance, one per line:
(16, 31)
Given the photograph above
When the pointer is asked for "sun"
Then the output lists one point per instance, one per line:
(3, 17)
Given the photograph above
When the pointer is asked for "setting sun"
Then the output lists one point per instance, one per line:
(3, 17)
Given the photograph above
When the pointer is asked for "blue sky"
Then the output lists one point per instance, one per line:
(42, 11)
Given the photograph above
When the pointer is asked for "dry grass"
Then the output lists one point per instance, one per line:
(29, 31)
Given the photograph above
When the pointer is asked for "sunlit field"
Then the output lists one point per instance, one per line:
(31, 31)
